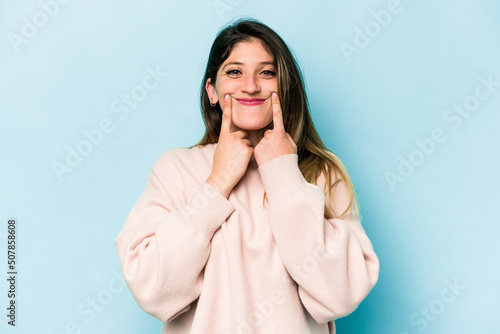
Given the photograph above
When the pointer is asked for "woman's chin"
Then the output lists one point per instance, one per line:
(251, 126)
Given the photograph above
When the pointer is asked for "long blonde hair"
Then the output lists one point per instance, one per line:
(314, 158)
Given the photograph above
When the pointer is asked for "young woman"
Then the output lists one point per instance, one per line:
(255, 229)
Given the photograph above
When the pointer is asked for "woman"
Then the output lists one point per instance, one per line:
(239, 233)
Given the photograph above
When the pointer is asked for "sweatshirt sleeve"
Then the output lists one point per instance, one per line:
(332, 261)
(165, 242)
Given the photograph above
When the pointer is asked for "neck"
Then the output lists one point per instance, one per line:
(255, 136)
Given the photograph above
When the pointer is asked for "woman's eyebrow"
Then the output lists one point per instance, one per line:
(238, 63)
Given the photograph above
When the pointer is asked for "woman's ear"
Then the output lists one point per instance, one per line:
(212, 93)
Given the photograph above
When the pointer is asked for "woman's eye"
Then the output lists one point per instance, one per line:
(269, 72)
(237, 72)
(232, 72)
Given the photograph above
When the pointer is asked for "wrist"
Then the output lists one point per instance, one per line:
(218, 184)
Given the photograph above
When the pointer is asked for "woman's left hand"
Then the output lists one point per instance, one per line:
(275, 142)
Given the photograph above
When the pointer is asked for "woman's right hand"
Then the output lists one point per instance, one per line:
(232, 154)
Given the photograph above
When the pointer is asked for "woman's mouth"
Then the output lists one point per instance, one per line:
(251, 102)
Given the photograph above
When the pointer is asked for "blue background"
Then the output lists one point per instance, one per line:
(435, 226)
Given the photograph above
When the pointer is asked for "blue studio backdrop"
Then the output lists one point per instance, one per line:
(405, 92)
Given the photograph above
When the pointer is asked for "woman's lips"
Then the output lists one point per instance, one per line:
(251, 102)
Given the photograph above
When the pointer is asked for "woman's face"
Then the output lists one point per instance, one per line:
(248, 73)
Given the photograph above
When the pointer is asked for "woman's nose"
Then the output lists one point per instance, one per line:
(250, 84)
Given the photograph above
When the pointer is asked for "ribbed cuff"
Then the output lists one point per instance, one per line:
(207, 209)
(282, 176)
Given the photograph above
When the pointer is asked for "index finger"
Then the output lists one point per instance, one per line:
(226, 115)
(277, 114)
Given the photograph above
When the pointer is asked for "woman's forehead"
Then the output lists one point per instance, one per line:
(249, 53)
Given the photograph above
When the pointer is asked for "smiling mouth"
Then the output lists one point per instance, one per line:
(251, 102)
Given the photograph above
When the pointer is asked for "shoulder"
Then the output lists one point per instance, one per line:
(173, 166)
(183, 157)
(171, 157)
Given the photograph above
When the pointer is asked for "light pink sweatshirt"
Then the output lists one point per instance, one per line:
(202, 263)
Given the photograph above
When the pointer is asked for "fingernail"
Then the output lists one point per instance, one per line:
(275, 95)
(226, 97)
